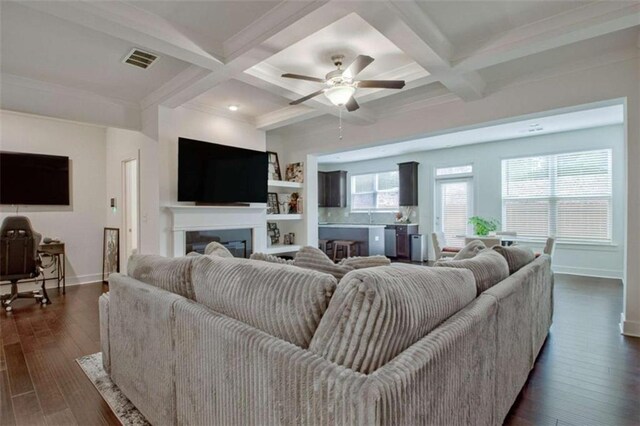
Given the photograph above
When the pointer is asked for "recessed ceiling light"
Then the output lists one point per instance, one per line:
(233, 107)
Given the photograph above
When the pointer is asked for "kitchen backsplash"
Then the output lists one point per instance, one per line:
(344, 215)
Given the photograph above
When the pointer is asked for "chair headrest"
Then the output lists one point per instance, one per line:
(16, 225)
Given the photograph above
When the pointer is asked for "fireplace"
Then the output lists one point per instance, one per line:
(215, 222)
(237, 241)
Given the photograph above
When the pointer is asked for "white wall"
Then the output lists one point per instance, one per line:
(80, 225)
(189, 123)
(123, 145)
(617, 80)
(486, 160)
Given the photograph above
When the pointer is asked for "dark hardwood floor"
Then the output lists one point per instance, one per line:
(586, 374)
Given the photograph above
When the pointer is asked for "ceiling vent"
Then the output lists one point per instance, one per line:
(140, 59)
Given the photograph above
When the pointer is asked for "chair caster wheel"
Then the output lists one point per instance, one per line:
(44, 301)
(8, 308)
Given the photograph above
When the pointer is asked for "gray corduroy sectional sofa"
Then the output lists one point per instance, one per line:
(222, 341)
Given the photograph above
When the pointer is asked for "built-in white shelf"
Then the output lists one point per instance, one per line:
(272, 217)
(284, 184)
(282, 248)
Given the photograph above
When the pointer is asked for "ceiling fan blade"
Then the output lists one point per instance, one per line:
(358, 64)
(352, 104)
(306, 98)
(303, 77)
(381, 84)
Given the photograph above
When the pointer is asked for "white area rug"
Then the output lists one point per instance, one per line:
(126, 412)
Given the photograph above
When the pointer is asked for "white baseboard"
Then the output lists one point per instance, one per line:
(587, 272)
(629, 328)
(71, 281)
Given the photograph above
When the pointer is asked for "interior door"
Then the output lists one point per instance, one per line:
(131, 205)
(454, 206)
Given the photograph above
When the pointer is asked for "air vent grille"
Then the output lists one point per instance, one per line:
(140, 58)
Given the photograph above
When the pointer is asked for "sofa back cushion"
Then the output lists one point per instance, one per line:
(361, 262)
(516, 256)
(313, 258)
(377, 313)
(470, 250)
(167, 273)
(488, 268)
(270, 258)
(281, 300)
(214, 248)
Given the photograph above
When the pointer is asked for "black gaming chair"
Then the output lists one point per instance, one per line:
(19, 259)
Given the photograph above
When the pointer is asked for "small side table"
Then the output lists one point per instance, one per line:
(57, 251)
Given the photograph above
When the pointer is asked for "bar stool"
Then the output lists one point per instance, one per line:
(326, 246)
(345, 246)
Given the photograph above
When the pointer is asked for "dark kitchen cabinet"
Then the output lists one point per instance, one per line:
(408, 174)
(402, 237)
(322, 189)
(332, 189)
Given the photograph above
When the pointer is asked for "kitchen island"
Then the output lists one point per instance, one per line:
(370, 238)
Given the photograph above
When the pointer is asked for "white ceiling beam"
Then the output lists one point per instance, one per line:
(257, 45)
(593, 20)
(140, 28)
(409, 28)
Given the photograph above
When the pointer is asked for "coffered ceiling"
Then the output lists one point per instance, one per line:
(216, 53)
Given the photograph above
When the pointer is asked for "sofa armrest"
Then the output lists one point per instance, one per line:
(141, 346)
(231, 373)
(448, 377)
(103, 310)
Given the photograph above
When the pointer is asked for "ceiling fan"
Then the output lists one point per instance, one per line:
(340, 84)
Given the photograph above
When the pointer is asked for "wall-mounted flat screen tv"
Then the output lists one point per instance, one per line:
(34, 179)
(210, 173)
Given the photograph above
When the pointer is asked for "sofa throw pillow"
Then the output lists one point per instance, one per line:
(282, 300)
(516, 256)
(168, 273)
(470, 250)
(376, 313)
(216, 249)
(488, 268)
(361, 262)
(313, 258)
(270, 258)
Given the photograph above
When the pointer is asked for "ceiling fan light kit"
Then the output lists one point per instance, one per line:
(340, 95)
(340, 85)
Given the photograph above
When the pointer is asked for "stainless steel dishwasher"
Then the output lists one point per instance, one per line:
(390, 241)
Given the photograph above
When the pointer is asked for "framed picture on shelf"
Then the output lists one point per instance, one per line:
(273, 232)
(110, 252)
(274, 166)
(295, 172)
(272, 203)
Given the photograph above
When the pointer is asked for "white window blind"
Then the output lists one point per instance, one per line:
(455, 211)
(566, 195)
(375, 191)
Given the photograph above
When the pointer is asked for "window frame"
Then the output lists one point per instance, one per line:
(375, 191)
(554, 199)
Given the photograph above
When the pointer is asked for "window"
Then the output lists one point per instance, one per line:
(454, 171)
(566, 195)
(375, 191)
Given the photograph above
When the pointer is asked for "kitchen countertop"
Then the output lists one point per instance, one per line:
(348, 225)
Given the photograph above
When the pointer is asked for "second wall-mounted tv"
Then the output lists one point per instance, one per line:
(210, 173)
(34, 179)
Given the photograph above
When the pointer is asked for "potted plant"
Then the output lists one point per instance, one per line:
(482, 226)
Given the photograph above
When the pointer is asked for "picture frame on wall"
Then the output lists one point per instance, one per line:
(273, 207)
(295, 172)
(274, 166)
(110, 252)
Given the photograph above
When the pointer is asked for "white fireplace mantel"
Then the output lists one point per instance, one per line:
(203, 218)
